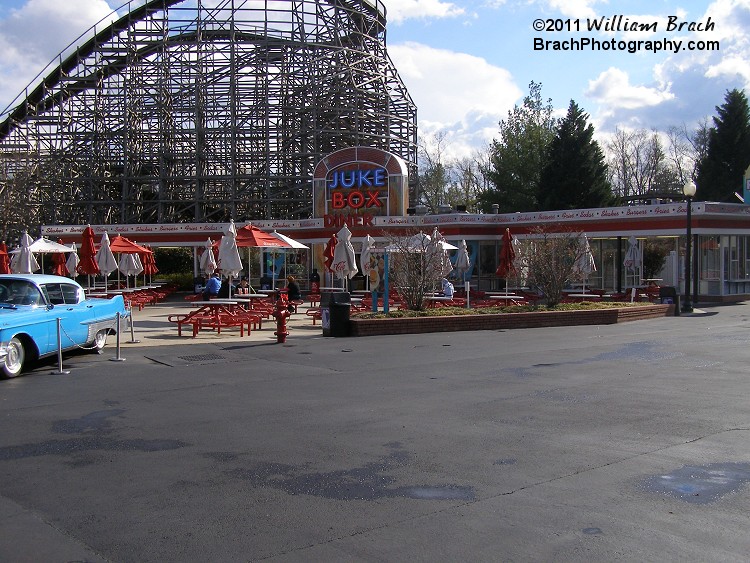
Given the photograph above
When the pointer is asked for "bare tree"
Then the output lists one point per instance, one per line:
(433, 171)
(414, 269)
(551, 260)
(636, 162)
(467, 182)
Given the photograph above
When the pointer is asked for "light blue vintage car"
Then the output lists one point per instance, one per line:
(30, 305)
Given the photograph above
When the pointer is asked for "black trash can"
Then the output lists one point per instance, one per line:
(335, 308)
(668, 295)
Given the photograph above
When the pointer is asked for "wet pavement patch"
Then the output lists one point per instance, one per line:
(93, 432)
(630, 352)
(700, 484)
(508, 461)
(371, 481)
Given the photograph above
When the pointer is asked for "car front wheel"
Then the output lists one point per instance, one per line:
(15, 356)
(100, 340)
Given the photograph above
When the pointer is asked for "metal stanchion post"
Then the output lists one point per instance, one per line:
(467, 285)
(60, 370)
(132, 329)
(117, 357)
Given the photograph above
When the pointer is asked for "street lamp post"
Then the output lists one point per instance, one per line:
(688, 191)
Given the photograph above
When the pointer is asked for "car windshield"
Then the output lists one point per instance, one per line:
(19, 292)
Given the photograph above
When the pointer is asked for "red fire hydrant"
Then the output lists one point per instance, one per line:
(281, 313)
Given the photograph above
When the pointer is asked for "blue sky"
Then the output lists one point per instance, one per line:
(466, 63)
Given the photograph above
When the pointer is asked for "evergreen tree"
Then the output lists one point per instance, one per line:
(721, 170)
(575, 174)
(517, 157)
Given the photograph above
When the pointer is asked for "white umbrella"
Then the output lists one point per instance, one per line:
(364, 258)
(421, 242)
(72, 260)
(130, 265)
(46, 246)
(344, 258)
(463, 262)
(584, 264)
(208, 260)
(438, 254)
(105, 259)
(229, 255)
(23, 261)
(520, 262)
(633, 255)
(290, 241)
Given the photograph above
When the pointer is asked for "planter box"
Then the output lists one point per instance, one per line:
(536, 319)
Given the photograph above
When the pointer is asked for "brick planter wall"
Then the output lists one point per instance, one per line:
(412, 325)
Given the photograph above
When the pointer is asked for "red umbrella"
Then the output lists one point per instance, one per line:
(58, 262)
(329, 250)
(249, 236)
(149, 264)
(87, 265)
(4, 259)
(123, 245)
(506, 267)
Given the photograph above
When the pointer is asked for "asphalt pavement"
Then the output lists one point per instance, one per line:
(624, 442)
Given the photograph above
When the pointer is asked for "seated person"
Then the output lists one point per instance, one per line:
(212, 287)
(226, 290)
(243, 288)
(292, 288)
(448, 289)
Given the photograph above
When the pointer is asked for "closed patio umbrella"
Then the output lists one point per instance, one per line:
(58, 263)
(229, 261)
(344, 264)
(105, 259)
(584, 264)
(149, 264)
(87, 265)
(366, 256)
(23, 261)
(328, 252)
(71, 264)
(207, 261)
(506, 266)
(463, 262)
(4, 259)
(633, 256)
(437, 255)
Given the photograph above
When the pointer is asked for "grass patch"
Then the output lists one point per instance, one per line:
(449, 311)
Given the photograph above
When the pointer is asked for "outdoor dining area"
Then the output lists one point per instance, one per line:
(403, 273)
(96, 262)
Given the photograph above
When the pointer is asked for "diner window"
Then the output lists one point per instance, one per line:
(734, 257)
(709, 258)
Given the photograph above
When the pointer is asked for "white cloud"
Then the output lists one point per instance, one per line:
(573, 8)
(31, 35)
(459, 94)
(399, 10)
(613, 88)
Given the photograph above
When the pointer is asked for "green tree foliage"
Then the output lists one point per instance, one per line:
(518, 156)
(720, 172)
(575, 174)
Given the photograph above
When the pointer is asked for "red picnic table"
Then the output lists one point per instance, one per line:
(216, 313)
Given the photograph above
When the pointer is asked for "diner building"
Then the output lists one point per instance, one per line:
(366, 189)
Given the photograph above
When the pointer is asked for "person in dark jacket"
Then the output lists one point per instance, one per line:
(292, 288)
